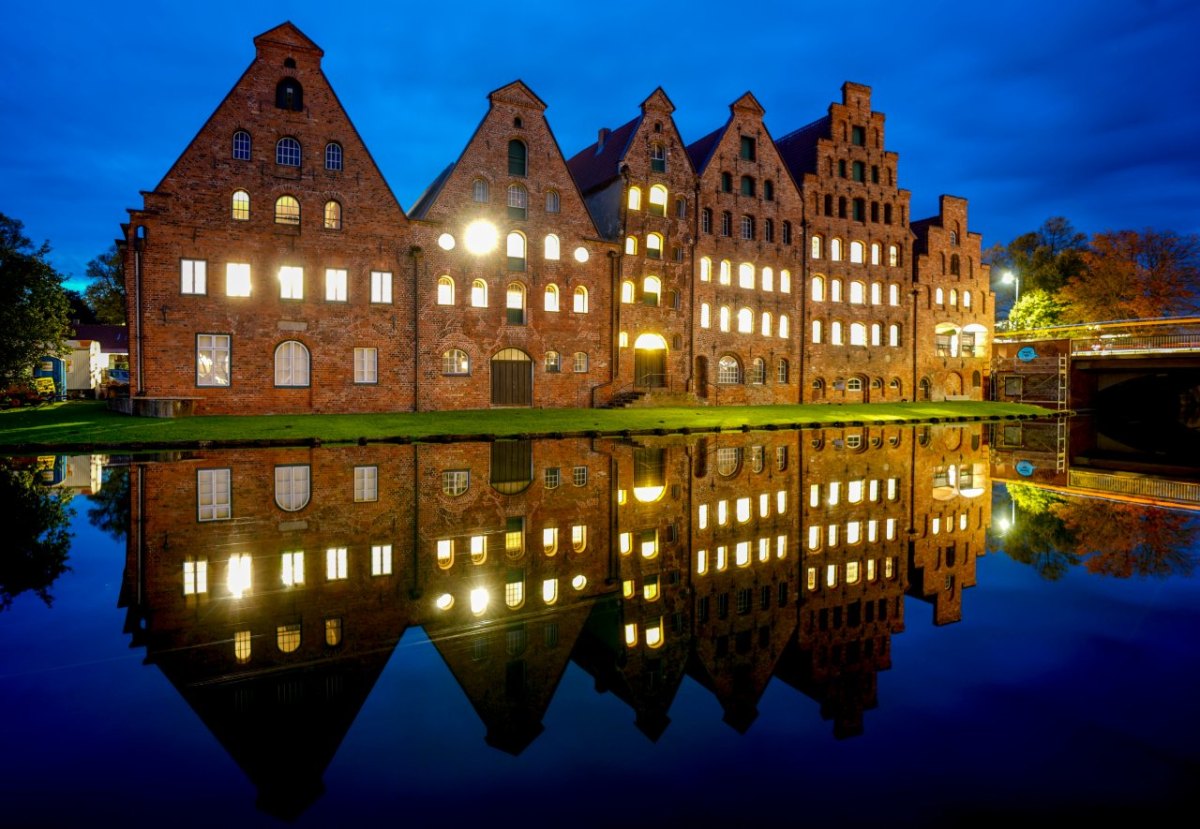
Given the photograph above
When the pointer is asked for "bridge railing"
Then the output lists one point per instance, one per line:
(1136, 344)
(1185, 492)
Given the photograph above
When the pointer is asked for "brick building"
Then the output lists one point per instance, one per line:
(272, 270)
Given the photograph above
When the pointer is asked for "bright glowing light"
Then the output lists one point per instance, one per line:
(648, 494)
(581, 255)
(446, 242)
(444, 601)
(238, 578)
(1004, 525)
(479, 600)
(481, 237)
(579, 582)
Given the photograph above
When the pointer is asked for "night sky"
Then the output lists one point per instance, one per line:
(1090, 110)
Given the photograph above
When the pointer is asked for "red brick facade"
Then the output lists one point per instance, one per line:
(273, 271)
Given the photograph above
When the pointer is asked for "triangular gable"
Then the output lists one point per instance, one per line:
(517, 94)
(658, 100)
(748, 103)
(287, 35)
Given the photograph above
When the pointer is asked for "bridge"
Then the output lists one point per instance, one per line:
(1077, 366)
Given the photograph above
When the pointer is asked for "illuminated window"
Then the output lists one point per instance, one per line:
(815, 247)
(701, 562)
(333, 215)
(291, 282)
(213, 495)
(479, 600)
(550, 591)
(292, 489)
(514, 589)
(287, 152)
(335, 285)
(741, 554)
(722, 559)
(765, 327)
(814, 537)
(445, 291)
(195, 576)
(764, 549)
(455, 362)
(871, 574)
(240, 206)
(831, 535)
(291, 364)
(725, 272)
(518, 202)
(631, 634)
(650, 589)
(889, 567)
(627, 290)
(335, 563)
(818, 289)
(579, 537)
(237, 279)
(835, 333)
(658, 200)
(635, 198)
(835, 249)
(831, 575)
(651, 290)
(479, 191)
(366, 483)
(514, 304)
(705, 269)
(366, 365)
(889, 531)
(702, 516)
(479, 294)
(293, 569)
(704, 315)
(237, 576)
(241, 646)
(551, 248)
(552, 201)
(381, 287)
(553, 362)
(757, 374)
(658, 160)
(514, 536)
(654, 246)
(515, 245)
(853, 532)
(550, 540)
(241, 145)
(381, 560)
(729, 370)
(287, 211)
(785, 330)
(456, 481)
(581, 300)
(579, 362)
(333, 632)
(551, 298)
(764, 505)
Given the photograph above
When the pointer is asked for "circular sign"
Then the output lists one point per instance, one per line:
(1025, 468)
(1027, 354)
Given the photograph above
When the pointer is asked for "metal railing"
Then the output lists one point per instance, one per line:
(1185, 492)
(1136, 344)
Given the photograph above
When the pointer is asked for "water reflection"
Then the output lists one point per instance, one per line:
(271, 586)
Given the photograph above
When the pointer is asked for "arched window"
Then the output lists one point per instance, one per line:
(876, 293)
(514, 304)
(893, 335)
(552, 201)
(479, 292)
(747, 186)
(445, 291)
(857, 252)
(858, 293)
(835, 333)
(287, 211)
(518, 201)
(729, 370)
(680, 207)
(893, 256)
(241, 205)
(835, 249)
(704, 315)
(516, 251)
(966, 299)
(631, 245)
(291, 364)
(553, 362)
(705, 269)
(782, 371)
(768, 279)
(579, 362)
(581, 300)
(333, 156)
(706, 220)
(517, 158)
(785, 281)
(724, 318)
(333, 215)
(651, 290)
(769, 190)
(289, 95)
(766, 327)
(745, 321)
(729, 461)
(455, 362)
(758, 372)
(654, 245)
(725, 276)
(816, 331)
(627, 291)
(893, 294)
(747, 227)
(876, 249)
(876, 334)
(854, 384)
(745, 275)
(658, 200)
(815, 251)
(551, 249)
(241, 145)
(551, 298)
(953, 297)
(939, 296)
(479, 190)
(635, 198)
(954, 264)
(292, 487)
(835, 290)
(658, 157)
(726, 223)
(287, 152)
(784, 326)
(858, 333)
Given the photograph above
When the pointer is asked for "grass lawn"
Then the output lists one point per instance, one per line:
(86, 425)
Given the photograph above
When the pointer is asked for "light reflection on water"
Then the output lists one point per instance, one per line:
(692, 626)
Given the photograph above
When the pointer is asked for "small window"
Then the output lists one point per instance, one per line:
(726, 223)
(552, 201)
(518, 156)
(747, 228)
(514, 304)
(381, 287)
(706, 220)
(550, 250)
(212, 359)
(658, 200)
(634, 201)
(654, 246)
(456, 481)
(516, 251)
(781, 376)
(287, 152)
(518, 202)
(289, 95)
(335, 285)
(579, 362)
(858, 136)
(769, 190)
(552, 477)
(729, 370)
(480, 191)
(291, 364)
(758, 372)
(291, 282)
(287, 211)
(479, 294)
(366, 365)
(726, 182)
(787, 233)
(333, 215)
(240, 206)
(553, 362)
(747, 148)
(581, 300)
(747, 186)
(455, 362)
(333, 156)
(579, 476)
(651, 290)
(658, 158)
(551, 298)
(241, 145)
(193, 277)
(445, 291)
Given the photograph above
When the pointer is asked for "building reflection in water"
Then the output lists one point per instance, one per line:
(270, 586)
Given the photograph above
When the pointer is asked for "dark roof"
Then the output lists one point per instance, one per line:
(114, 339)
(598, 164)
(798, 148)
(427, 198)
(701, 150)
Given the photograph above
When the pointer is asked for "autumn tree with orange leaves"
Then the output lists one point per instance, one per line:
(1130, 275)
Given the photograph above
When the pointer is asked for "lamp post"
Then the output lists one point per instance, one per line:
(1010, 278)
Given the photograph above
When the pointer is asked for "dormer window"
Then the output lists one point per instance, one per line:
(289, 95)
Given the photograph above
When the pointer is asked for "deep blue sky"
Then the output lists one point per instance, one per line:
(1089, 110)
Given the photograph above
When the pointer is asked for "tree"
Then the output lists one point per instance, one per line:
(1133, 275)
(1035, 309)
(1043, 260)
(1124, 540)
(37, 540)
(106, 293)
(34, 311)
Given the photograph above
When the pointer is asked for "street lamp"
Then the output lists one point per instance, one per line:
(1010, 278)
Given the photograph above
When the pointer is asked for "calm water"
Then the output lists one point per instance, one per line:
(823, 627)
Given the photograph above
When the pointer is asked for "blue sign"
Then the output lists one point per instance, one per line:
(1025, 468)
(1027, 354)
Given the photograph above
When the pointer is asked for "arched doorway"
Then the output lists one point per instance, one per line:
(953, 384)
(512, 378)
(650, 361)
(702, 377)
